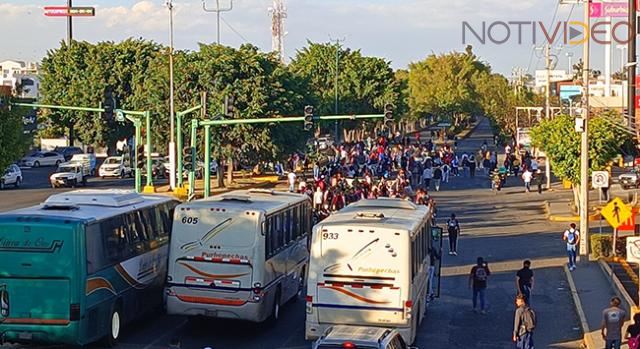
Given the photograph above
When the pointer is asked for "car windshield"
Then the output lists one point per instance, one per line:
(112, 161)
(66, 169)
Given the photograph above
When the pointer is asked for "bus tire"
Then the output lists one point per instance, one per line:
(115, 327)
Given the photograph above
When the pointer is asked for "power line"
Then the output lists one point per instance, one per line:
(233, 29)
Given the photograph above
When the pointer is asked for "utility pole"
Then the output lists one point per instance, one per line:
(172, 141)
(547, 56)
(335, 86)
(570, 57)
(278, 13)
(631, 65)
(69, 26)
(217, 10)
(584, 143)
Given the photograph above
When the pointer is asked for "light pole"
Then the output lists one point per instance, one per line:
(172, 144)
(584, 143)
(570, 57)
(335, 85)
(217, 10)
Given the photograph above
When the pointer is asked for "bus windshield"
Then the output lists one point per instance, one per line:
(222, 230)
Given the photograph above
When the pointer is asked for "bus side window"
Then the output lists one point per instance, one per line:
(115, 239)
(279, 233)
(267, 237)
(95, 248)
(296, 223)
(288, 227)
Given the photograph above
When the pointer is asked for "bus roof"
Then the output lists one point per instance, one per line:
(89, 204)
(393, 213)
(266, 201)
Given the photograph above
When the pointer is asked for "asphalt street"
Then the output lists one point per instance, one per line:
(504, 228)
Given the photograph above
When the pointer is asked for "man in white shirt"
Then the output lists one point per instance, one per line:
(572, 237)
(526, 177)
(292, 181)
(318, 198)
(427, 174)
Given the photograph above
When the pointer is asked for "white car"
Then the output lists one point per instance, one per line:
(115, 166)
(343, 336)
(12, 175)
(48, 158)
(69, 175)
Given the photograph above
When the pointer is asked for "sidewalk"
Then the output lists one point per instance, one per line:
(592, 288)
(559, 209)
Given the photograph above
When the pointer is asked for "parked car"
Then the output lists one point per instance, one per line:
(361, 337)
(40, 158)
(69, 175)
(324, 143)
(630, 179)
(157, 166)
(68, 152)
(87, 160)
(115, 166)
(12, 176)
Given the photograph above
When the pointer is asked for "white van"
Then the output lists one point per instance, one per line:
(240, 255)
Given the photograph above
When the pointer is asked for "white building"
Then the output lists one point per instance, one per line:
(25, 75)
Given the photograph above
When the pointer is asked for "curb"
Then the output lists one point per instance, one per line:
(556, 218)
(617, 284)
(576, 301)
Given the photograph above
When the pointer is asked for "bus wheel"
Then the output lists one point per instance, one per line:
(115, 325)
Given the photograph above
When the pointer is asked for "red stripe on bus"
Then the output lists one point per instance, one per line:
(214, 301)
(32, 321)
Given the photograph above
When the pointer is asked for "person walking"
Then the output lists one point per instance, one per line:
(437, 178)
(478, 283)
(524, 281)
(292, 181)
(524, 323)
(540, 180)
(572, 237)
(446, 172)
(427, 175)
(527, 176)
(633, 332)
(453, 227)
(612, 322)
(434, 259)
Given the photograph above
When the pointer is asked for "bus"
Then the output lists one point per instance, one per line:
(369, 266)
(241, 255)
(80, 266)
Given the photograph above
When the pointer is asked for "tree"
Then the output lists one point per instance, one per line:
(558, 139)
(365, 84)
(13, 143)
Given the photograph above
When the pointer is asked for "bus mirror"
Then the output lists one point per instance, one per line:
(436, 233)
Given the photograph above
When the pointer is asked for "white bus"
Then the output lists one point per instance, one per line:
(369, 266)
(240, 255)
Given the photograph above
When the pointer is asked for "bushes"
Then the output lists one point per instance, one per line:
(601, 246)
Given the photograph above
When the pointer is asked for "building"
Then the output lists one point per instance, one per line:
(556, 75)
(21, 77)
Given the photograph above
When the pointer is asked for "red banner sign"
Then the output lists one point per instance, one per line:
(630, 224)
(64, 11)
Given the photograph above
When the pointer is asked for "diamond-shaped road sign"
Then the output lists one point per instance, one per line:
(616, 213)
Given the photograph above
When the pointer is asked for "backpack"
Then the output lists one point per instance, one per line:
(480, 274)
(529, 319)
(634, 342)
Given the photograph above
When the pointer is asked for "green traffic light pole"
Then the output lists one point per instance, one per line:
(207, 124)
(131, 115)
(179, 142)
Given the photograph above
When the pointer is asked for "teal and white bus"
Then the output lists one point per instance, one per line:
(81, 265)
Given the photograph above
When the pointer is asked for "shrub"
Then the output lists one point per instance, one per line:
(601, 246)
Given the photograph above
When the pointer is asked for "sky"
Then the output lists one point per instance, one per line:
(401, 31)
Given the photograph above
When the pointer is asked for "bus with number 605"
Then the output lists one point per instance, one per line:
(241, 255)
(82, 265)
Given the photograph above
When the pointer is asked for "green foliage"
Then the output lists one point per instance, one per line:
(602, 246)
(559, 140)
(13, 143)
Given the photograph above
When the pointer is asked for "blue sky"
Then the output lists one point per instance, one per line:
(402, 31)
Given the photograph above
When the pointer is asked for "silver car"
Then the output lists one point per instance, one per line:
(360, 337)
(12, 176)
(42, 158)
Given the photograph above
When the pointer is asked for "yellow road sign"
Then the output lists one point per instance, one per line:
(616, 213)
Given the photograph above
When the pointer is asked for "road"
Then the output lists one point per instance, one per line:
(36, 187)
(505, 228)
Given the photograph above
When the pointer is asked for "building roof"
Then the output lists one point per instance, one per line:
(253, 199)
(89, 204)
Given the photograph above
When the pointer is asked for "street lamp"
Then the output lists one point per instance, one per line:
(570, 57)
(217, 10)
(172, 144)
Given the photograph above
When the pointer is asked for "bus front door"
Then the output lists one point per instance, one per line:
(436, 245)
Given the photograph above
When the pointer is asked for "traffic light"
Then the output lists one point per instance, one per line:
(109, 105)
(388, 115)
(140, 157)
(187, 159)
(229, 106)
(308, 118)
